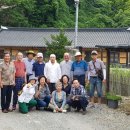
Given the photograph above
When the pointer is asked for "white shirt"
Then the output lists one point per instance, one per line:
(52, 71)
(27, 94)
(66, 68)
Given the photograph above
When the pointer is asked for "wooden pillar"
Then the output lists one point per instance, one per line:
(101, 54)
(108, 70)
(127, 58)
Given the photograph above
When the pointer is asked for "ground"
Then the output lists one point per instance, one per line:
(95, 119)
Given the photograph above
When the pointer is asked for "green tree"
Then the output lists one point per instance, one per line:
(57, 45)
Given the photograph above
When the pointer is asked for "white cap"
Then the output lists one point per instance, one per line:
(39, 54)
(94, 52)
(53, 55)
(78, 54)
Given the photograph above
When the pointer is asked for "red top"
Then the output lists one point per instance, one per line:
(20, 68)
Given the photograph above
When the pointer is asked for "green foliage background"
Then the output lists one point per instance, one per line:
(61, 13)
(57, 45)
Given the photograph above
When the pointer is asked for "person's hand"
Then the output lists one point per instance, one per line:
(48, 80)
(57, 109)
(88, 82)
(104, 81)
(1, 85)
(73, 98)
(60, 109)
(37, 94)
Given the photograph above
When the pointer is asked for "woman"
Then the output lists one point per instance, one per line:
(26, 100)
(65, 84)
(59, 98)
(42, 94)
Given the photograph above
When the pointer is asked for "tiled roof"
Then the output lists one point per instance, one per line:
(88, 38)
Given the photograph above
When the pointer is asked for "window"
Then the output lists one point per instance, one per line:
(114, 57)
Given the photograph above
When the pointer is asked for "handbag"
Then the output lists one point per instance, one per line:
(99, 72)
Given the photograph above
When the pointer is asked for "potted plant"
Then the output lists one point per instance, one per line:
(112, 100)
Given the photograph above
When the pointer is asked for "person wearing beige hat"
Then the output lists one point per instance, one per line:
(79, 69)
(29, 60)
(38, 66)
(96, 75)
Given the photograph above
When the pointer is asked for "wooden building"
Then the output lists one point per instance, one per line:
(23, 39)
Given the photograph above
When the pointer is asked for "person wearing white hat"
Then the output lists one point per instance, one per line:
(79, 69)
(52, 72)
(38, 66)
(96, 75)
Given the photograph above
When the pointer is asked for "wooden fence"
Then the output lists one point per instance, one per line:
(120, 81)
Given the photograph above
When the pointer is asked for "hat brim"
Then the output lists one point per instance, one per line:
(31, 53)
(94, 54)
(78, 55)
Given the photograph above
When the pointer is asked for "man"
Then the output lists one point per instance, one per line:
(93, 78)
(7, 82)
(20, 77)
(38, 66)
(78, 97)
(29, 63)
(52, 72)
(65, 66)
(79, 69)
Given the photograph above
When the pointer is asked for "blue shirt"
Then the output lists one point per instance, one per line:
(38, 69)
(79, 68)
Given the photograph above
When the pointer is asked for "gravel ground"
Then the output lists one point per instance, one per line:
(95, 119)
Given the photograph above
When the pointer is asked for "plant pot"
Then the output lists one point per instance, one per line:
(112, 103)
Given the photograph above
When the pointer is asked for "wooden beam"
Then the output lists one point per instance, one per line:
(108, 71)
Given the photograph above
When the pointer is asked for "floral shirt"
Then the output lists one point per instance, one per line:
(7, 73)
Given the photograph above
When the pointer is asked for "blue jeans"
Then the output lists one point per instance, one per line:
(95, 84)
(44, 102)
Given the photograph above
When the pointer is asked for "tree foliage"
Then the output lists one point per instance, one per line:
(61, 13)
(57, 45)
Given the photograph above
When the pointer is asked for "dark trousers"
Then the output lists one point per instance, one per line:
(44, 102)
(79, 104)
(27, 77)
(19, 83)
(80, 78)
(6, 93)
(52, 87)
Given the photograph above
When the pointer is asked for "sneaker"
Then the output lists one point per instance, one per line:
(54, 111)
(4, 111)
(9, 110)
(64, 111)
(84, 112)
(91, 106)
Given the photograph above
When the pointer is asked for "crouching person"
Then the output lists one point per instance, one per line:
(42, 94)
(59, 98)
(78, 97)
(26, 100)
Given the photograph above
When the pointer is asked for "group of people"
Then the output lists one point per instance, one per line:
(53, 86)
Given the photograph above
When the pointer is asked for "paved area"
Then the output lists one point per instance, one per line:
(95, 119)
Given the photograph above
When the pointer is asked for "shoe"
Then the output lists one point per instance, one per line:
(9, 110)
(4, 111)
(77, 110)
(84, 112)
(91, 106)
(64, 111)
(54, 111)
(69, 109)
(14, 108)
